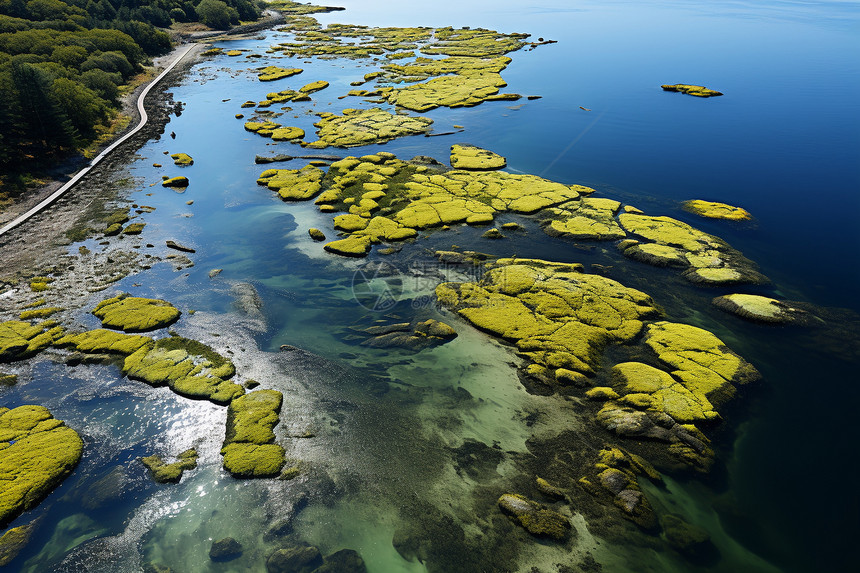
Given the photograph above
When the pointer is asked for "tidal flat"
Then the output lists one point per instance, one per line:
(510, 312)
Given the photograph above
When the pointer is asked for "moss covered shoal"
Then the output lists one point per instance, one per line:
(37, 452)
(182, 159)
(170, 473)
(249, 450)
(706, 258)
(190, 368)
(136, 314)
(698, 91)
(474, 158)
(364, 127)
(713, 210)
(272, 73)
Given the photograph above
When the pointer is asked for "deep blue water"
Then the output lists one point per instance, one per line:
(783, 142)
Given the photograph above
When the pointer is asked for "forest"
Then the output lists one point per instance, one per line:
(63, 63)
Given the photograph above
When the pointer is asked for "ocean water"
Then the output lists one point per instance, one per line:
(420, 445)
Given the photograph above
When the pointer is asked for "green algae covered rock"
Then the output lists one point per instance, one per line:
(136, 314)
(471, 158)
(19, 340)
(364, 127)
(350, 247)
(182, 159)
(557, 316)
(614, 476)
(698, 91)
(313, 87)
(39, 312)
(589, 218)
(646, 387)
(709, 259)
(287, 133)
(759, 308)
(249, 450)
(13, 541)
(180, 181)
(534, 517)
(293, 184)
(37, 452)
(272, 73)
(170, 473)
(713, 210)
(190, 368)
(316, 234)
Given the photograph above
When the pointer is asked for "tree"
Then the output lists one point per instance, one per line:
(45, 120)
(81, 105)
(214, 13)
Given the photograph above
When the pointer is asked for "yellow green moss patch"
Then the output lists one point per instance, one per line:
(39, 312)
(713, 210)
(182, 159)
(272, 73)
(316, 234)
(471, 157)
(758, 308)
(313, 87)
(100, 341)
(135, 314)
(350, 247)
(249, 450)
(37, 452)
(13, 542)
(133, 229)
(589, 218)
(365, 126)
(287, 133)
(647, 387)
(163, 472)
(19, 340)
(698, 91)
(537, 519)
(190, 368)
(293, 184)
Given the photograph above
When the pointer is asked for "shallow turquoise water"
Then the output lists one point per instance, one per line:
(783, 143)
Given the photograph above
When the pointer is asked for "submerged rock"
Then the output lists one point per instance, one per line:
(690, 540)
(698, 91)
(37, 452)
(225, 549)
(343, 561)
(301, 559)
(534, 517)
(471, 157)
(713, 210)
(135, 314)
(170, 473)
(419, 336)
(13, 542)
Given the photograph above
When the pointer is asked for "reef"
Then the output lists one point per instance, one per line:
(249, 444)
(182, 159)
(365, 126)
(713, 210)
(706, 259)
(163, 472)
(37, 452)
(537, 519)
(698, 91)
(136, 314)
(474, 158)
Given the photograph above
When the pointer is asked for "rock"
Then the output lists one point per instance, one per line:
(713, 210)
(215, 272)
(180, 181)
(179, 247)
(225, 549)
(37, 452)
(343, 561)
(8, 379)
(534, 517)
(13, 542)
(316, 234)
(698, 91)
(182, 159)
(493, 234)
(475, 158)
(760, 308)
(314, 87)
(287, 134)
(248, 300)
(272, 73)
(601, 393)
(19, 340)
(301, 559)
(249, 449)
(548, 489)
(170, 473)
(589, 218)
(136, 314)
(133, 229)
(351, 247)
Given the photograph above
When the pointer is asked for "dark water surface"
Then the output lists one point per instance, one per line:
(784, 143)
